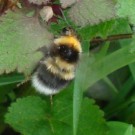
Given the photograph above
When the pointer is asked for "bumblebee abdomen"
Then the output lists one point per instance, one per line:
(46, 82)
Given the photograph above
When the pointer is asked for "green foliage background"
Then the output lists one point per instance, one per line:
(106, 74)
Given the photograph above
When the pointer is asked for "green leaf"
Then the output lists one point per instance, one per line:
(91, 119)
(102, 29)
(92, 12)
(28, 116)
(132, 69)
(119, 128)
(112, 27)
(10, 79)
(126, 9)
(33, 116)
(63, 106)
(120, 26)
(20, 37)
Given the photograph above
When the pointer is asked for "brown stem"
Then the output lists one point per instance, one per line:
(112, 38)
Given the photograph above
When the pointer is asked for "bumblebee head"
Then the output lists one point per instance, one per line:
(67, 46)
(68, 31)
(67, 53)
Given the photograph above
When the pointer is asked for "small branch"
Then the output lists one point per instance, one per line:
(112, 38)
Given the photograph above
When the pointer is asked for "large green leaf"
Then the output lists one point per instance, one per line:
(31, 116)
(35, 116)
(91, 120)
(20, 37)
(92, 12)
(28, 115)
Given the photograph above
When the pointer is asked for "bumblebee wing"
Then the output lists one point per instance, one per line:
(45, 50)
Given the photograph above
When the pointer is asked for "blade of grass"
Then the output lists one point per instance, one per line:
(9, 79)
(120, 128)
(112, 86)
(115, 104)
(77, 100)
(132, 69)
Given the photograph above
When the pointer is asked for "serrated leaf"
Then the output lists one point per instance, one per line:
(20, 37)
(92, 12)
(91, 120)
(28, 116)
(32, 116)
(126, 8)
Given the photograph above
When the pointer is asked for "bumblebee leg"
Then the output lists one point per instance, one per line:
(51, 100)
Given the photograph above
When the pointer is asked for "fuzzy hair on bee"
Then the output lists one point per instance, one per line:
(57, 68)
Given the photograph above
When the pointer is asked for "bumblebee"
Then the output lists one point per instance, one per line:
(57, 68)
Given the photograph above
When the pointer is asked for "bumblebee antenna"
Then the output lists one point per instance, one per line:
(64, 17)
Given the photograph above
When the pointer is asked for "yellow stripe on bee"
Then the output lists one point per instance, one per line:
(69, 40)
(56, 66)
(64, 65)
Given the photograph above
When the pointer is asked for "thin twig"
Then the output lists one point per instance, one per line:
(112, 38)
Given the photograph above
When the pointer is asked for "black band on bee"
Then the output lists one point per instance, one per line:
(49, 80)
